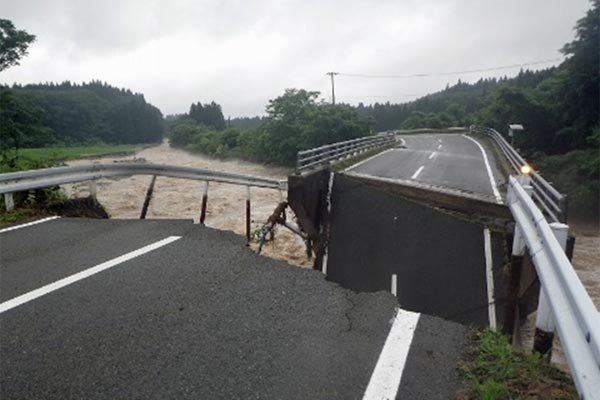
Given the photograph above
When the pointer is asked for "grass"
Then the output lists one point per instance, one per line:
(496, 370)
(71, 153)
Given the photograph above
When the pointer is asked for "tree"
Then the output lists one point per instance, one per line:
(13, 44)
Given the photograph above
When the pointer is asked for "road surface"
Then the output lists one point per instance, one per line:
(155, 309)
(452, 161)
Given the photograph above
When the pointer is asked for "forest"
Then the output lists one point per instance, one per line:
(68, 113)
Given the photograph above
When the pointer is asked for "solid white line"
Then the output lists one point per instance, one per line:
(328, 201)
(432, 155)
(489, 170)
(395, 285)
(39, 221)
(417, 172)
(386, 377)
(487, 245)
(34, 294)
(367, 160)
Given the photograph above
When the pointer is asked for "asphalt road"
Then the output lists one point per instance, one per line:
(199, 316)
(452, 161)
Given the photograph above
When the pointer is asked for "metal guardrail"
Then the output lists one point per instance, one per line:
(551, 200)
(325, 155)
(41, 178)
(564, 304)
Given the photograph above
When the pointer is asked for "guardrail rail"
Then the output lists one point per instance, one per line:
(564, 305)
(551, 200)
(325, 155)
(14, 182)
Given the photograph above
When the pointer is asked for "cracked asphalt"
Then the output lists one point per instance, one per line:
(202, 317)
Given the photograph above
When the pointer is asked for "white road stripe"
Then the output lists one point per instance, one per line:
(34, 294)
(489, 170)
(367, 160)
(329, 204)
(417, 172)
(432, 155)
(394, 285)
(439, 146)
(386, 377)
(39, 221)
(489, 274)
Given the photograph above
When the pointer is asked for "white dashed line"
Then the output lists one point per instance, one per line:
(488, 168)
(39, 221)
(34, 294)
(432, 155)
(386, 377)
(439, 146)
(417, 172)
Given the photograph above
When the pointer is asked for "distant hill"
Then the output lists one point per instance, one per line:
(69, 114)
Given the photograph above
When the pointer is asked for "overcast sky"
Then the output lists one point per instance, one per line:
(242, 53)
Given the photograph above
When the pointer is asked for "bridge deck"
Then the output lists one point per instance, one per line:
(453, 161)
(200, 317)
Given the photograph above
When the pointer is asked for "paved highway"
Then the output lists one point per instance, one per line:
(104, 309)
(452, 161)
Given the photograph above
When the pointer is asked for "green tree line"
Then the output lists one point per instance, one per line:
(295, 121)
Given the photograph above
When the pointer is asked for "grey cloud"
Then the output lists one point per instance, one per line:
(241, 53)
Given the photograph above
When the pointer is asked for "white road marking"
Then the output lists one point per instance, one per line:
(417, 172)
(439, 146)
(489, 170)
(394, 285)
(432, 155)
(367, 160)
(386, 377)
(487, 245)
(34, 294)
(329, 204)
(39, 221)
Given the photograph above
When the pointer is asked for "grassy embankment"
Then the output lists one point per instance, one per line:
(496, 370)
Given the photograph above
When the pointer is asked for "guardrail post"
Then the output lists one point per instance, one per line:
(93, 189)
(9, 202)
(544, 321)
(516, 266)
(515, 270)
(204, 201)
(148, 198)
(248, 215)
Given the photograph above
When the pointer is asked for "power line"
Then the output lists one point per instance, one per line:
(450, 73)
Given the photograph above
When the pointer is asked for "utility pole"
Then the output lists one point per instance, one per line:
(332, 74)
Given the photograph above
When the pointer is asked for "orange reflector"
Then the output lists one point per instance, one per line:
(526, 170)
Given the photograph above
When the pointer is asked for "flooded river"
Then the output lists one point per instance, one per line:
(181, 198)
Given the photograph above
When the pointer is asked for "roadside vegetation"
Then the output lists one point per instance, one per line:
(495, 370)
(296, 120)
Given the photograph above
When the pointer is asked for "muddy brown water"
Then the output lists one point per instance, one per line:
(181, 198)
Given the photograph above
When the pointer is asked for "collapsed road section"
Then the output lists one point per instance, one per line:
(167, 309)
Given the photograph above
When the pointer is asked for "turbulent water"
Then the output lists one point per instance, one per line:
(181, 198)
